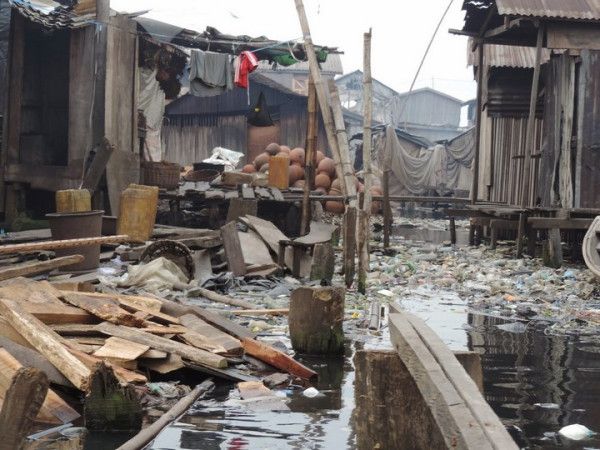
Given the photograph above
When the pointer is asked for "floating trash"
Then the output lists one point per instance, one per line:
(576, 432)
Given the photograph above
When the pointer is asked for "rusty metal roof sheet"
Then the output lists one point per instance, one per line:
(51, 14)
(507, 56)
(565, 9)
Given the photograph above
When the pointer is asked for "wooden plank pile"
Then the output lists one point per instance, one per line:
(103, 345)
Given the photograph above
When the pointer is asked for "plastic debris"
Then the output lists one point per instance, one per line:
(576, 432)
(311, 392)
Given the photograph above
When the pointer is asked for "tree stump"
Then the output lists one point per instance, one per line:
(109, 406)
(315, 320)
(552, 250)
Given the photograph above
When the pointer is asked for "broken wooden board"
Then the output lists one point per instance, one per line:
(267, 231)
(24, 290)
(197, 340)
(254, 250)
(256, 396)
(213, 335)
(233, 249)
(47, 342)
(54, 410)
(105, 308)
(30, 358)
(163, 366)
(59, 314)
(193, 354)
(240, 207)
(120, 349)
(319, 232)
(277, 359)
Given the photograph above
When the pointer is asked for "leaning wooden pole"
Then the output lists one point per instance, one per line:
(311, 152)
(365, 213)
(322, 92)
(530, 137)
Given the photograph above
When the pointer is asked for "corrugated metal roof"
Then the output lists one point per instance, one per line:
(506, 56)
(566, 9)
(333, 65)
(51, 14)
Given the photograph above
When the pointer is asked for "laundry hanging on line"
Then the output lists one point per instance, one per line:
(211, 73)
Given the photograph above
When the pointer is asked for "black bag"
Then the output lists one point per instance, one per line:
(259, 115)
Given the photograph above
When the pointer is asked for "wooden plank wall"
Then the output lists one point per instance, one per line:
(121, 107)
(587, 187)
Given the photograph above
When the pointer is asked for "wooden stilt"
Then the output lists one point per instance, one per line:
(521, 234)
(531, 240)
(475, 163)
(452, 230)
(387, 210)
(349, 246)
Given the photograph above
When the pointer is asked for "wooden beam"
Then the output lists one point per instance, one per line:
(66, 243)
(547, 223)
(37, 267)
(49, 313)
(200, 357)
(23, 400)
(530, 136)
(212, 334)
(98, 165)
(47, 342)
(233, 249)
(105, 308)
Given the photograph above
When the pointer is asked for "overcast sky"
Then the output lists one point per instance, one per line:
(401, 31)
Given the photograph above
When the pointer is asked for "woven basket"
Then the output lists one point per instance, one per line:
(162, 174)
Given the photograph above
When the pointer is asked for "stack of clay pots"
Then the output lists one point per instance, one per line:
(325, 180)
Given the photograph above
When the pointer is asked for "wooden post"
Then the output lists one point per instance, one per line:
(365, 213)
(349, 246)
(311, 154)
(21, 405)
(315, 320)
(530, 137)
(480, 72)
(387, 210)
(323, 262)
(453, 230)
(552, 252)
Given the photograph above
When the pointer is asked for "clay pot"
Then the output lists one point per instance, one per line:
(336, 184)
(299, 184)
(284, 155)
(376, 206)
(285, 148)
(327, 166)
(334, 207)
(376, 190)
(249, 168)
(320, 156)
(323, 180)
(264, 168)
(321, 190)
(261, 160)
(297, 156)
(272, 149)
(296, 173)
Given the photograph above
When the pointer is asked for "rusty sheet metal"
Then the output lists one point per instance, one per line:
(507, 56)
(51, 14)
(565, 9)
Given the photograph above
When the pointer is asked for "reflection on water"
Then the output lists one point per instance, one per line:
(313, 423)
(559, 374)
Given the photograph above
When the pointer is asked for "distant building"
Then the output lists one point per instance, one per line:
(423, 112)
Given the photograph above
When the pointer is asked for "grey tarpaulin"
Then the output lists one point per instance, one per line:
(152, 102)
(417, 170)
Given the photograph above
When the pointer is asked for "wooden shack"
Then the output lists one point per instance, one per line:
(71, 80)
(544, 154)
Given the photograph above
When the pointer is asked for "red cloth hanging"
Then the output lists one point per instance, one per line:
(246, 64)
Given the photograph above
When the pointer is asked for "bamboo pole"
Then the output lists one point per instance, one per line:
(311, 153)
(364, 215)
(530, 137)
